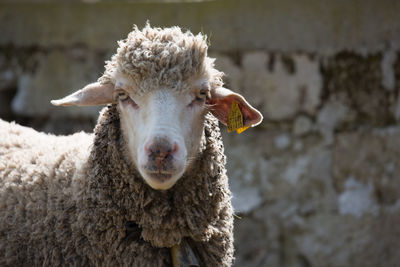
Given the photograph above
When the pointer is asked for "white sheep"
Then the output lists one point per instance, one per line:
(151, 178)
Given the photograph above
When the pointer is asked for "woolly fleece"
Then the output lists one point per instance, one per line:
(66, 201)
(162, 57)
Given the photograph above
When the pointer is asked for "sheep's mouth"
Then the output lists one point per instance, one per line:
(159, 176)
(160, 180)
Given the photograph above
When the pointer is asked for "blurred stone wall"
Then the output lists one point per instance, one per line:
(318, 183)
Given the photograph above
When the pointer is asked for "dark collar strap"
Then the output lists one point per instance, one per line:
(182, 254)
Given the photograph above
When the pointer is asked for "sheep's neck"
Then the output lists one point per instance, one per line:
(187, 210)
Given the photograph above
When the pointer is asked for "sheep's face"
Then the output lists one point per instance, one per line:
(162, 129)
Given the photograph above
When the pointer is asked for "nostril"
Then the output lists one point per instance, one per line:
(147, 149)
(174, 149)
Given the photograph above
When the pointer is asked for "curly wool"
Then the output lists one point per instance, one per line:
(162, 57)
(72, 208)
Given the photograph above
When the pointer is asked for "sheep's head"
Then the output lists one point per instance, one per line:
(163, 84)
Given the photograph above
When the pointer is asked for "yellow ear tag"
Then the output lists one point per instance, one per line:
(235, 119)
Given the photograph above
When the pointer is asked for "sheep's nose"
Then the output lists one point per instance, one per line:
(161, 147)
(160, 152)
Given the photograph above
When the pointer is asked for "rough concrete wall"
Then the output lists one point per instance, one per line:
(318, 183)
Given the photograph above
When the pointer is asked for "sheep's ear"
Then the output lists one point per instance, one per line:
(93, 94)
(222, 101)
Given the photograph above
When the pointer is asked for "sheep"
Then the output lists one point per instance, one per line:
(149, 181)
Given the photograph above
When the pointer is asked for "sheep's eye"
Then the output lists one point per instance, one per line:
(122, 95)
(202, 94)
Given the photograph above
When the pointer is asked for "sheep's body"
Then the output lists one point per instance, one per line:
(37, 204)
(91, 200)
(66, 201)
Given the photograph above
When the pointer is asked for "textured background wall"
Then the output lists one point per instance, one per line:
(318, 183)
